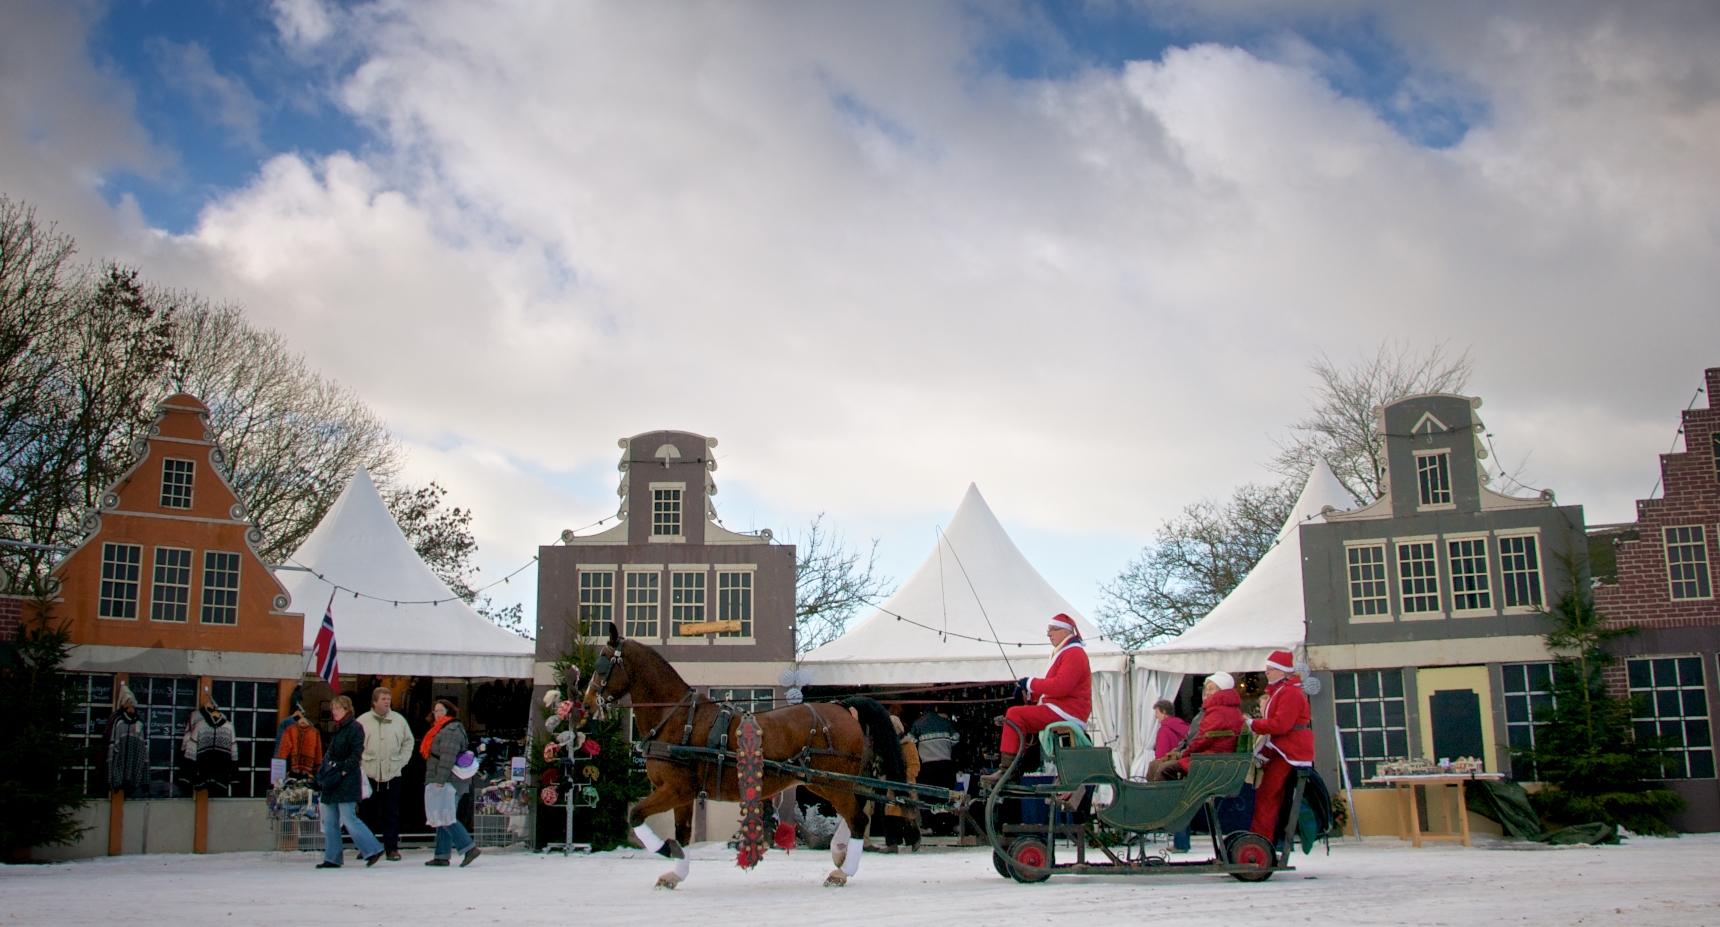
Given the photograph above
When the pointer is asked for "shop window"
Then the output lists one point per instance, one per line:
(1433, 476)
(734, 602)
(1368, 594)
(1418, 578)
(1672, 704)
(166, 704)
(1528, 704)
(666, 512)
(1469, 575)
(1520, 570)
(1687, 562)
(686, 600)
(755, 700)
(596, 602)
(92, 693)
(176, 483)
(1371, 719)
(642, 595)
(253, 708)
(120, 568)
(170, 586)
(220, 588)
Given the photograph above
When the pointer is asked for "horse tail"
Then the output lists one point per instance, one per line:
(886, 746)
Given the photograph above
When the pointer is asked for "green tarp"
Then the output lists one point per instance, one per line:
(1505, 802)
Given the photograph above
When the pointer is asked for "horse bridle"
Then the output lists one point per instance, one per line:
(607, 660)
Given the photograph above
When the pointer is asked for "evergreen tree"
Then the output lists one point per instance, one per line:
(36, 748)
(1593, 765)
(619, 780)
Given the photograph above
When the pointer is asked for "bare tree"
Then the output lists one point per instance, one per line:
(1343, 428)
(831, 585)
(1195, 560)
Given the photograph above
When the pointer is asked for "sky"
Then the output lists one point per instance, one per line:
(1080, 254)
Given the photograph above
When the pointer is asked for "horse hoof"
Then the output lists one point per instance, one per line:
(836, 879)
(668, 880)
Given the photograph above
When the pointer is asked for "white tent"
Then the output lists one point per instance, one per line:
(358, 547)
(945, 624)
(1262, 614)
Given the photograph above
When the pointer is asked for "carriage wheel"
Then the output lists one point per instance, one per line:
(1030, 851)
(1255, 852)
(1000, 864)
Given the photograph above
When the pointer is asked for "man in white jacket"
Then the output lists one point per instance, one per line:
(387, 748)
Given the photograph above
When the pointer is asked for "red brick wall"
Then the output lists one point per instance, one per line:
(1691, 496)
(11, 614)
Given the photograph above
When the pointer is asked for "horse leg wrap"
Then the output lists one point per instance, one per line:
(649, 838)
(851, 865)
(839, 842)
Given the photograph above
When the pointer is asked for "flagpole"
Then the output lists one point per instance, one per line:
(328, 611)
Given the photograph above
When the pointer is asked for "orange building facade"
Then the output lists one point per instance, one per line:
(166, 595)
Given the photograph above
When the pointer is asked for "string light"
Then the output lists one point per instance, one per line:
(397, 602)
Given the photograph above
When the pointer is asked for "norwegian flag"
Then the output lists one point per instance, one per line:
(324, 651)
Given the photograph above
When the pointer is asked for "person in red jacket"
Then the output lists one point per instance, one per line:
(1286, 739)
(1220, 719)
(1064, 693)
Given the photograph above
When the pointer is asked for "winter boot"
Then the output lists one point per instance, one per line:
(991, 781)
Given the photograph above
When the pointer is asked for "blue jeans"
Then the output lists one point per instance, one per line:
(1180, 840)
(333, 816)
(451, 836)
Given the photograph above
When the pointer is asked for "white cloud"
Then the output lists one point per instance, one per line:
(877, 272)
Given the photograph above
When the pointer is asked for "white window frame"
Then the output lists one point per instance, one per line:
(580, 570)
(680, 534)
(1487, 555)
(656, 604)
(190, 484)
(1450, 498)
(1706, 577)
(135, 582)
(238, 577)
(1499, 539)
(1383, 545)
(1404, 612)
(156, 585)
(750, 633)
(698, 612)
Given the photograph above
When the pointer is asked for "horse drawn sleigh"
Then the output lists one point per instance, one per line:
(694, 747)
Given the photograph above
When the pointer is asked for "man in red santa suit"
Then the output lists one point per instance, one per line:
(1286, 741)
(1064, 693)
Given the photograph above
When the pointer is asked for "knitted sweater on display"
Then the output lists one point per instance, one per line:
(213, 752)
(128, 754)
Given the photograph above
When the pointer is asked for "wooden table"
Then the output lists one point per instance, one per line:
(1409, 821)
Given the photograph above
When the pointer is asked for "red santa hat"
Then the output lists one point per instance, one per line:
(1065, 622)
(1282, 660)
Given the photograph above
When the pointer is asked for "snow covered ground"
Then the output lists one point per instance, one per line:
(1645, 882)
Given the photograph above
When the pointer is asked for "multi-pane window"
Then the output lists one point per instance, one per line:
(253, 708)
(120, 568)
(666, 512)
(642, 593)
(176, 483)
(686, 600)
(1469, 577)
(166, 704)
(1418, 577)
(755, 700)
(1528, 703)
(170, 587)
(596, 602)
(1433, 476)
(1520, 571)
(734, 602)
(1371, 719)
(1687, 562)
(220, 588)
(1368, 595)
(1672, 704)
(93, 695)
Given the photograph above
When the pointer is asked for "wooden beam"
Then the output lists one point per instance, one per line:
(732, 626)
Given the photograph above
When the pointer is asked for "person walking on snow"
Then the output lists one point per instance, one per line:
(1286, 739)
(388, 746)
(1064, 693)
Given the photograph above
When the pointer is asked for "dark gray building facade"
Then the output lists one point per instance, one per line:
(1422, 608)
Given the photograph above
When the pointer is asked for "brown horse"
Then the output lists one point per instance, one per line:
(826, 737)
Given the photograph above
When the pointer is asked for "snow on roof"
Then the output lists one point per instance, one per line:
(359, 547)
(1264, 612)
(974, 584)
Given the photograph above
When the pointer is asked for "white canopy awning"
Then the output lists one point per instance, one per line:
(358, 546)
(1264, 612)
(973, 591)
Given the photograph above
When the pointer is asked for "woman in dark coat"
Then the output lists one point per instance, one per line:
(441, 748)
(340, 800)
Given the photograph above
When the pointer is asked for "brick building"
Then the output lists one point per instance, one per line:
(1665, 588)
